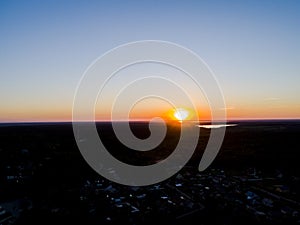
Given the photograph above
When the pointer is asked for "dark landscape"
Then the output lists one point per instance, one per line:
(255, 178)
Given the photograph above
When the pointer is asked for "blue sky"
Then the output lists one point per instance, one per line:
(252, 47)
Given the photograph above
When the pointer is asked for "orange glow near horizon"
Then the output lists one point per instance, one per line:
(54, 114)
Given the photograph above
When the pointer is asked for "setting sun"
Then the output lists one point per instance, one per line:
(181, 114)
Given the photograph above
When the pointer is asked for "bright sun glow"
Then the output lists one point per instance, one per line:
(181, 114)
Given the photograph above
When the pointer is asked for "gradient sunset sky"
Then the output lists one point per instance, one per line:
(252, 47)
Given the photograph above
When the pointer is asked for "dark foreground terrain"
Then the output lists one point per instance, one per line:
(255, 178)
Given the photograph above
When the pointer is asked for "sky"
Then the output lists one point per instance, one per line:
(252, 47)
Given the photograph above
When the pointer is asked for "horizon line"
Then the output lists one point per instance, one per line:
(147, 120)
